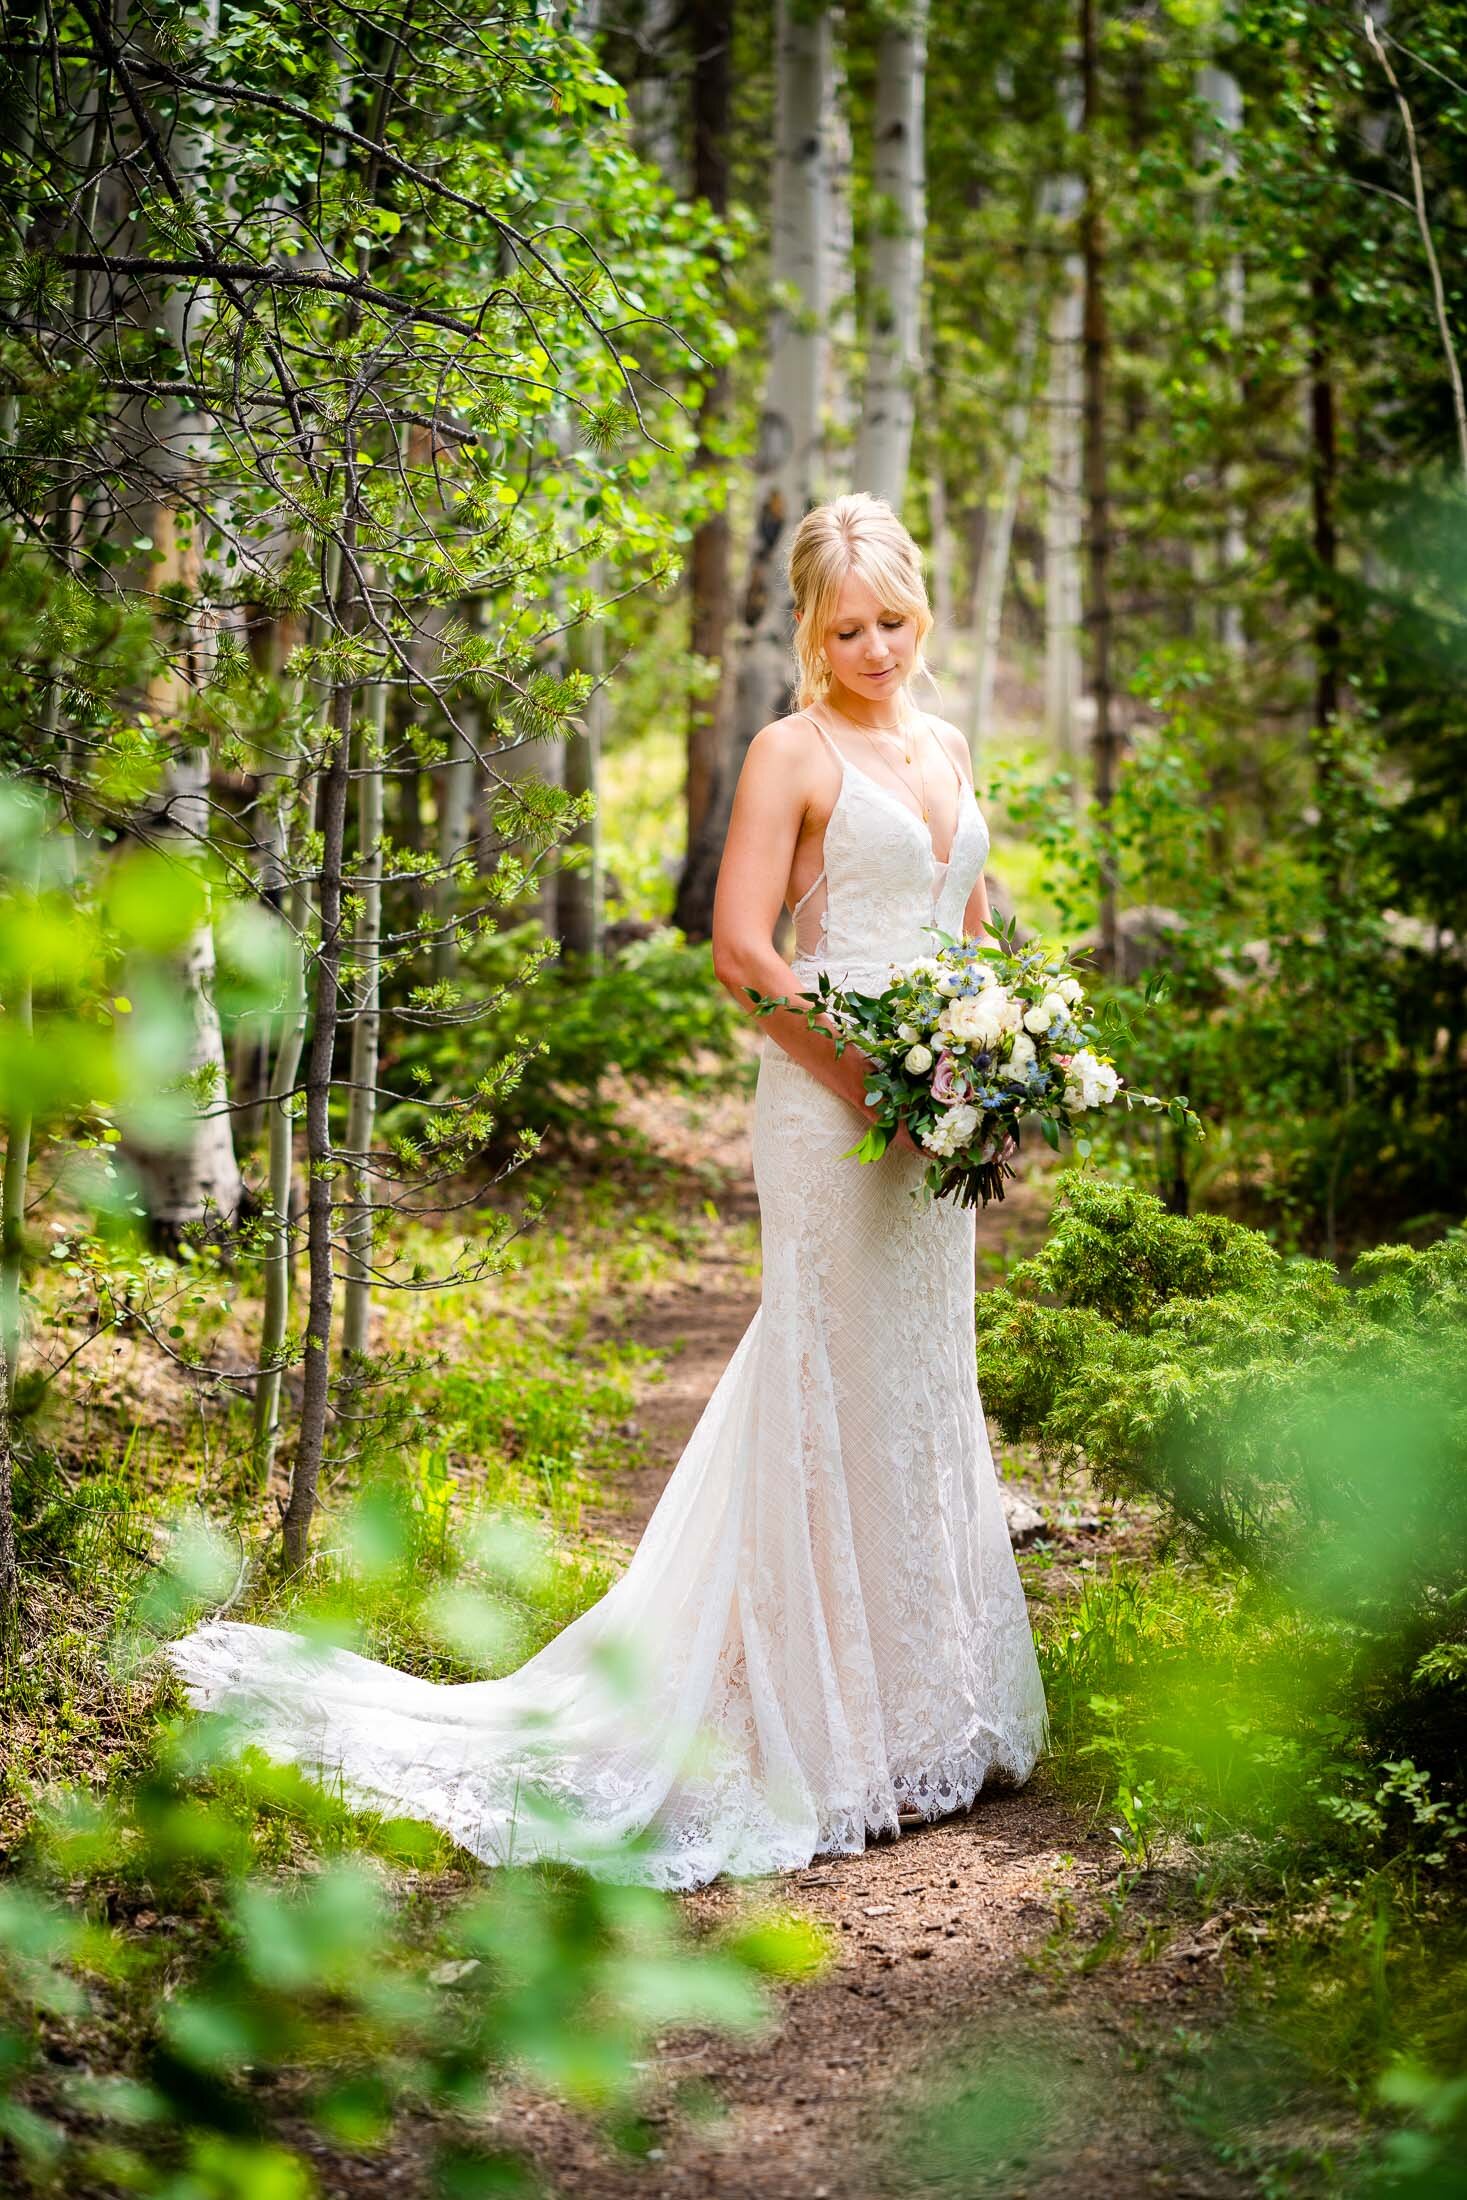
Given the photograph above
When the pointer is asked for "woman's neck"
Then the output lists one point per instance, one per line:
(890, 715)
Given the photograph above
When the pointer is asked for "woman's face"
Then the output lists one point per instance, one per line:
(870, 646)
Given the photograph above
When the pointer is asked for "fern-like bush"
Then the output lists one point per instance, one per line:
(1314, 1429)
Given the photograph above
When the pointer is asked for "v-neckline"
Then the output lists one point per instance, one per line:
(939, 863)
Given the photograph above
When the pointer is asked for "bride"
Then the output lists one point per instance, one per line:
(822, 1634)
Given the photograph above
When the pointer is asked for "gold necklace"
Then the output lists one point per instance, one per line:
(906, 756)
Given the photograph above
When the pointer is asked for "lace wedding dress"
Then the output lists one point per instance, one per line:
(823, 1623)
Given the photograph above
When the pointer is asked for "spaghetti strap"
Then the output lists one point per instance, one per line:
(963, 787)
(819, 880)
(825, 737)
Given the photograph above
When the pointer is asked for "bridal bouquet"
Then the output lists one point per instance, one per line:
(968, 1045)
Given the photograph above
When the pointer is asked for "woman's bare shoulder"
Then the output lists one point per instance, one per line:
(953, 740)
(791, 735)
(786, 747)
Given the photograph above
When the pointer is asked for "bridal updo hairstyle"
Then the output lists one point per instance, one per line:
(856, 534)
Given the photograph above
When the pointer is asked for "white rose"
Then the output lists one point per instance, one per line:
(982, 1018)
(1070, 990)
(926, 967)
(917, 1059)
(908, 1033)
(1089, 1082)
(955, 1129)
(1044, 1013)
(945, 982)
(1022, 1059)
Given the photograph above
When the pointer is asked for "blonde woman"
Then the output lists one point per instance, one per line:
(822, 1635)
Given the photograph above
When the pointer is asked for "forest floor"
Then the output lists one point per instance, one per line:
(1005, 2010)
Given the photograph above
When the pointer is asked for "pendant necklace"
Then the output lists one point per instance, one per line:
(903, 739)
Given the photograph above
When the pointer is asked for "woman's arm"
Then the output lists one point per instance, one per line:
(977, 915)
(775, 790)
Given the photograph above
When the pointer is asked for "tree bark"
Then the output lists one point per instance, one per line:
(320, 1160)
(1324, 463)
(1064, 524)
(361, 1108)
(280, 1178)
(9, 1568)
(839, 274)
(289, 1036)
(711, 30)
(1220, 93)
(580, 900)
(655, 101)
(19, 1017)
(453, 788)
(1334, 863)
(411, 837)
(197, 1177)
(998, 536)
(892, 351)
(1323, 490)
(944, 549)
(1105, 741)
(787, 461)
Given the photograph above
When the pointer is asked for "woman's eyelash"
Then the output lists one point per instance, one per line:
(891, 624)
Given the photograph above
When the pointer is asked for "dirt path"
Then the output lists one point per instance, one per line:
(971, 2035)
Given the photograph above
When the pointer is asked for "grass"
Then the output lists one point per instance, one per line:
(222, 1950)
(1209, 1730)
(522, 1405)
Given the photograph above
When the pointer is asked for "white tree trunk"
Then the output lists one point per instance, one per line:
(361, 1104)
(280, 1182)
(453, 795)
(1221, 92)
(580, 906)
(788, 461)
(899, 225)
(940, 564)
(998, 536)
(1064, 512)
(837, 275)
(198, 1175)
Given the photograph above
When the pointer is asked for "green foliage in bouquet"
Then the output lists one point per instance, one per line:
(1314, 1430)
(965, 1046)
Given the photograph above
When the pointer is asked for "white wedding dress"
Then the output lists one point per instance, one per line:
(823, 1623)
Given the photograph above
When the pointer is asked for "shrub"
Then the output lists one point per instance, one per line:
(653, 1012)
(1313, 1429)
